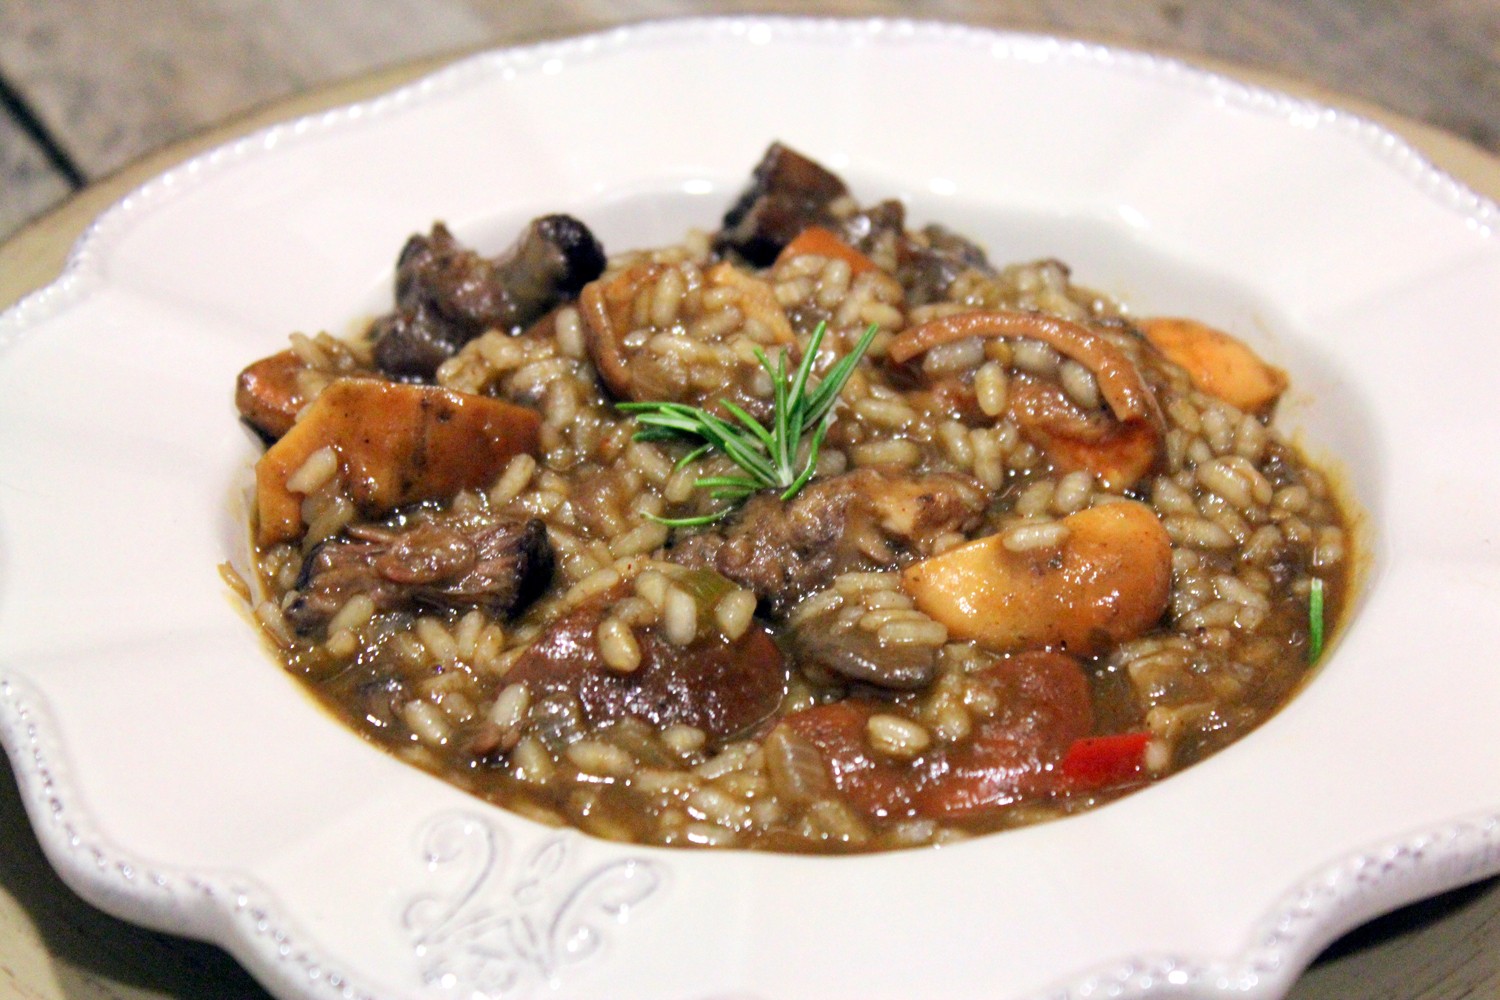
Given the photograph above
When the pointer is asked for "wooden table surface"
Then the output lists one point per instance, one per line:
(95, 97)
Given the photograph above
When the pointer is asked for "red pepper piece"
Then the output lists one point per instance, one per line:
(1100, 761)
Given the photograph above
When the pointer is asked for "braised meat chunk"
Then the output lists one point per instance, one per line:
(788, 192)
(448, 294)
(712, 683)
(434, 562)
(866, 519)
(1044, 705)
(926, 262)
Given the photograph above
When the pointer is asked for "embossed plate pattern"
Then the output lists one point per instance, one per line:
(178, 779)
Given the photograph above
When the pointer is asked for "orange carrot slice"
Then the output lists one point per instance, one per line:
(826, 243)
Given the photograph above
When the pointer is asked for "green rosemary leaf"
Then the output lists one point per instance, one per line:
(812, 460)
(751, 424)
(827, 392)
(1315, 621)
(798, 388)
(692, 522)
(768, 455)
(738, 482)
(690, 457)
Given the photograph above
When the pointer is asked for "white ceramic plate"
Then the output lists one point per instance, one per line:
(177, 778)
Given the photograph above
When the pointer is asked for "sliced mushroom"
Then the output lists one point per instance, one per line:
(267, 394)
(858, 654)
(1118, 453)
(395, 444)
(606, 308)
(1120, 382)
(1217, 363)
(617, 332)
(1106, 581)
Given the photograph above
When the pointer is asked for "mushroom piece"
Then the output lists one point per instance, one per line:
(1118, 453)
(434, 562)
(1106, 581)
(394, 444)
(858, 654)
(447, 294)
(270, 393)
(1217, 363)
(268, 396)
(612, 309)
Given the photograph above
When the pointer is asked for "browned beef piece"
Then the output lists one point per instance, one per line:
(447, 294)
(926, 264)
(1044, 705)
(434, 562)
(866, 228)
(862, 520)
(929, 266)
(720, 686)
(788, 192)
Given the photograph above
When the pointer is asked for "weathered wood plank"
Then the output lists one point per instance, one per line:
(1456, 954)
(1436, 62)
(113, 81)
(28, 181)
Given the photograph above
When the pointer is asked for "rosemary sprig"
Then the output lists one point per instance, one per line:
(1315, 621)
(768, 456)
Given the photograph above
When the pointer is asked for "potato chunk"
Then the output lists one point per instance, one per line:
(396, 444)
(1105, 583)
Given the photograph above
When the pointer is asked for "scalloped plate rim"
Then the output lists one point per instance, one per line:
(228, 907)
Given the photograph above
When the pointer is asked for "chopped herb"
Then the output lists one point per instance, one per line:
(768, 456)
(1315, 621)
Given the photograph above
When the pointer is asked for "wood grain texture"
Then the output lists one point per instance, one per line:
(29, 182)
(113, 81)
(1443, 948)
(55, 947)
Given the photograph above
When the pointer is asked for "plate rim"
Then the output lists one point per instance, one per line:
(232, 909)
(79, 270)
